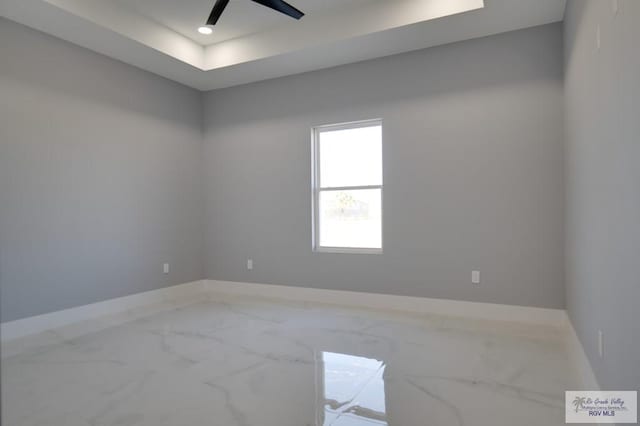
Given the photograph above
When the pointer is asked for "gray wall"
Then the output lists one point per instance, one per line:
(473, 170)
(101, 174)
(603, 185)
(99, 177)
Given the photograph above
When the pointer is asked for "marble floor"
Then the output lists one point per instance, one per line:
(250, 362)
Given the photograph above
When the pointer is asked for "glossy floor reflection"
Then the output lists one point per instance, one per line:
(353, 390)
(250, 362)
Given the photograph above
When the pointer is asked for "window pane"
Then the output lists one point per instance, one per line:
(351, 219)
(351, 157)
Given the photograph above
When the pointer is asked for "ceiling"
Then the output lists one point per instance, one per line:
(241, 17)
(252, 43)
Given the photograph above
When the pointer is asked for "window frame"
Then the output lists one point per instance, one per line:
(316, 189)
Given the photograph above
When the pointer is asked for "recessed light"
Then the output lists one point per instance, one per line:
(205, 30)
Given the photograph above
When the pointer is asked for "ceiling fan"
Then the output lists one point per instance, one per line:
(277, 5)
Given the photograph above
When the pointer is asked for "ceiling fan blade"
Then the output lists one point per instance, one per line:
(282, 7)
(217, 10)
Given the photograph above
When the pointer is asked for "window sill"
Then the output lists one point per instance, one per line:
(344, 250)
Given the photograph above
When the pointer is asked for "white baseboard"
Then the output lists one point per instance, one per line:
(582, 365)
(200, 289)
(37, 324)
(487, 311)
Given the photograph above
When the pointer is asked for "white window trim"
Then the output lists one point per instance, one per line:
(315, 188)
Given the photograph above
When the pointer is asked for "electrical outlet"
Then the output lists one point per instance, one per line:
(601, 343)
(249, 264)
(475, 277)
(165, 268)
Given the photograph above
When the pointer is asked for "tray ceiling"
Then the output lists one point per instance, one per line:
(252, 43)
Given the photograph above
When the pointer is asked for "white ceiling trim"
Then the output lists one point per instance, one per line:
(73, 18)
(380, 29)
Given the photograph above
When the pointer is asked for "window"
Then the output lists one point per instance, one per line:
(347, 187)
